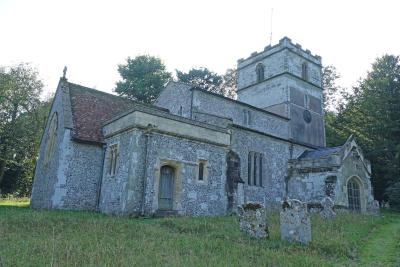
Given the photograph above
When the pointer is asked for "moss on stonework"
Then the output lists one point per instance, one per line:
(252, 206)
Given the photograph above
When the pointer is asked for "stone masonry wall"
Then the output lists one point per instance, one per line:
(310, 187)
(174, 96)
(121, 193)
(271, 95)
(45, 177)
(275, 157)
(83, 169)
(258, 120)
(196, 198)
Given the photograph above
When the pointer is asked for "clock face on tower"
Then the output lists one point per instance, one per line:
(307, 116)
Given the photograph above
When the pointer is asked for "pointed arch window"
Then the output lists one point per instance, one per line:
(353, 192)
(51, 138)
(260, 72)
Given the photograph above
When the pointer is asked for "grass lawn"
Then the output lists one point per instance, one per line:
(65, 238)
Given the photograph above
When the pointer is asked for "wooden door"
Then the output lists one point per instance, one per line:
(165, 200)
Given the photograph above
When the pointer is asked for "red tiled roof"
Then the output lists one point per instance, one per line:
(91, 108)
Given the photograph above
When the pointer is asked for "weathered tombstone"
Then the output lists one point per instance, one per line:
(295, 221)
(373, 208)
(327, 208)
(252, 220)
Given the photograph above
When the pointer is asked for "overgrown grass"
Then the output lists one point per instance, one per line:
(65, 238)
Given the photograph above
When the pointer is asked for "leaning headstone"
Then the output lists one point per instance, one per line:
(295, 221)
(327, 208)
(373, 208)
(252, 220)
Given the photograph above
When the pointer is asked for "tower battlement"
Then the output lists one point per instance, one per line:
(284, 43)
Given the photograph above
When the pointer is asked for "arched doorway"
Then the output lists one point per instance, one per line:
(354, 194)
(165, 197)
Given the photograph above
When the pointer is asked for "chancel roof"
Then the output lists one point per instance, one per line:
(91, 108)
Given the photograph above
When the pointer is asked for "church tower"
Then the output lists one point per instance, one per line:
(286, 80)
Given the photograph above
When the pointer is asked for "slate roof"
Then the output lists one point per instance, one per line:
(320, 152)
(91, 108)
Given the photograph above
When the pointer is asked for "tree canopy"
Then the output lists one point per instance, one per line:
(372, 115)
(143, 78)
(208, 80)
(22, 116)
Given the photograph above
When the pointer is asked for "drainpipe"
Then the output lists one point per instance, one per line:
(147, 136)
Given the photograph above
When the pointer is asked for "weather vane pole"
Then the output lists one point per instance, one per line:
(270, 36)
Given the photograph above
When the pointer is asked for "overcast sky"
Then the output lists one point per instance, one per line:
(93, 37)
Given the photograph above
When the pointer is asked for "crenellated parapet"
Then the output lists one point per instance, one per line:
(284, 43)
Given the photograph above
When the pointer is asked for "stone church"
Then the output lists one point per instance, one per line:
(197, 153)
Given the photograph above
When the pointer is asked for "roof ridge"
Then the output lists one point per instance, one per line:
(136, 102)
(99, 91)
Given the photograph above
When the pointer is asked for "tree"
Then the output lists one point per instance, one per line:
(392, 193)
(228, 85)
(143, 78)
(331, 90)
(372, 115)
(202, 78)
(18, 176)
(20, 123)
(208, 80)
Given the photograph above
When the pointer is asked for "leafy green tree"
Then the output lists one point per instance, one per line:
(333, 95)
(201, 77)
(208, 80)
(392, 192)
(18, 176)
(20, 123)
(331, 90)
(228, 85)
(372, 115)
(143, 78)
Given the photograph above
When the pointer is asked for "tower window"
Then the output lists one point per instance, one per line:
(304, 71)
(260, 72)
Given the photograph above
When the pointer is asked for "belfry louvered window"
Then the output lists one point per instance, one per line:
(260, 72)
(304, 71)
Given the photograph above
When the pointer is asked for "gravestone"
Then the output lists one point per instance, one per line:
(252, 220)
(327, 208)
(295, 221)
(373, 208)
